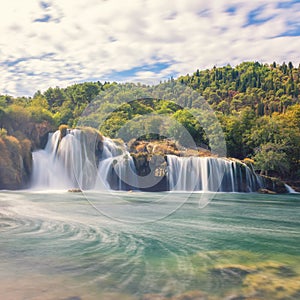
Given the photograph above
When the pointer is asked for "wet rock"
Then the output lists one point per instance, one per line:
(265, 191)
(232, 270)
(75, 191)
(274, 184)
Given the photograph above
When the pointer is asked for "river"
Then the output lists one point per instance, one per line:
(150, 246)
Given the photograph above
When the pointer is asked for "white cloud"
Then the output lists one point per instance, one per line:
(87, 39)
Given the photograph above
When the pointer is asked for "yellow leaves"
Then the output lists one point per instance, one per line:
(248, 161)
(40, 102)
(3, 132)
(63, 130)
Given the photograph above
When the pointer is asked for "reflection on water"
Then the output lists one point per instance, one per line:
(57, 246)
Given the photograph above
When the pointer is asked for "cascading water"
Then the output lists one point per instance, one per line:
(210, 174)
(289, 189)
(116, 169)
(48, 171)
(70, 162)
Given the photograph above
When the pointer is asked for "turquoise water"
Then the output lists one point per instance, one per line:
(59, 245)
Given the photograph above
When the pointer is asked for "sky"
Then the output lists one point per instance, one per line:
(62, 42)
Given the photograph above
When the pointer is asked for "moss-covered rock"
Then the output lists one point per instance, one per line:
(263, 280)
(274, 184)
(164, 147)
(268, 285)
(15, 162)
(266, 191)
(63, 130)
(94, 139)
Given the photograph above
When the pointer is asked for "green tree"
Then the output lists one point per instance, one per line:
(271, 157)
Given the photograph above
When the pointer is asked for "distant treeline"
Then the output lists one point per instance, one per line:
(256, 104)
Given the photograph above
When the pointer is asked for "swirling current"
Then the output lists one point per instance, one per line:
(56, 245)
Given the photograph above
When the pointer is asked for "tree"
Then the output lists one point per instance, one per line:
(55, 97)
(272, 157)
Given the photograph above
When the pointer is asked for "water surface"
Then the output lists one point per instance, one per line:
(59, 245)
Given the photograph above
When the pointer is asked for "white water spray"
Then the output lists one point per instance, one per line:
(71, 162)
(210, 174)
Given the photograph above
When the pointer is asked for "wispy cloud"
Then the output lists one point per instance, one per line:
(256, 16)
(57, 43)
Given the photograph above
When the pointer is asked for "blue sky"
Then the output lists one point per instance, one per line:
(58, 43)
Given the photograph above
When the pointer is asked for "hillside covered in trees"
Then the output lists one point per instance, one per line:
(257, 105)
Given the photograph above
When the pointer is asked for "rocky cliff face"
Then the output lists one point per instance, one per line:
(154, 167)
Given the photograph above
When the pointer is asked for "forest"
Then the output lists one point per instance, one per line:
(257, 106)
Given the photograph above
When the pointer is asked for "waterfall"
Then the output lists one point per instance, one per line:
(47, 169)
(289, 189)
(116, 169)
(76, 160)
(71, 162)
(210, 174)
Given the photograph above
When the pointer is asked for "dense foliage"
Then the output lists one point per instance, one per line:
(15, 161)
(256, 104)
